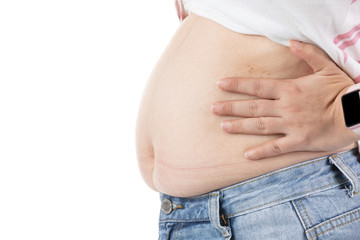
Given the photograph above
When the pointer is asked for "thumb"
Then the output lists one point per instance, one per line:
(313, 55)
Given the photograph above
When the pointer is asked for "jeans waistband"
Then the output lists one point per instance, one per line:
(270, 189)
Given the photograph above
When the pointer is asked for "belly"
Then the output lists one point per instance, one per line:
(181, 148)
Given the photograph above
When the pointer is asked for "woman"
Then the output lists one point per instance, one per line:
(209, 189)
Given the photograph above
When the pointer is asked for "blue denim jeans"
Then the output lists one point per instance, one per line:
(316, 199)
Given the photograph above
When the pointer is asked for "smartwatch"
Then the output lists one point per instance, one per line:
(351, 108)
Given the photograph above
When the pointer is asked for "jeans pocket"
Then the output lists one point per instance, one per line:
(344, 226)
(330, 214)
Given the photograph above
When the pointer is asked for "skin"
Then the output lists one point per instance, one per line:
(306, 110)
(180, 148)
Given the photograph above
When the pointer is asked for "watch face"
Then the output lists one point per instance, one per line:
(351, 108)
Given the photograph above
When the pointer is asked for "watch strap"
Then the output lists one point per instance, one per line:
(356, 130)
(353, 88)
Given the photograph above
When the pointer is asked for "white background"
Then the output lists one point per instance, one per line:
(72, 73)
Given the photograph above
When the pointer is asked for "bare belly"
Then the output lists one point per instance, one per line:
(181, 149)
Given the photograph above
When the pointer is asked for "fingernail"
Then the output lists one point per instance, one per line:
(249, 154)
(226, 125)
(216, 107)
(222, 83)
(296, 44)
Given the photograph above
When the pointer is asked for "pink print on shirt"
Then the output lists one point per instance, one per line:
(180, 10)
(350, 42)
(341, 37)
(348, 39)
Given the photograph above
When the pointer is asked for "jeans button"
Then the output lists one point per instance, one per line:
(166, 206)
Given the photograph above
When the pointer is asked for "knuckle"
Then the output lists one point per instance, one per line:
(261, 125)
(291, 109)
(276, 149)
(295, 89)
(289, 105)
(283, 88)
(257, 86)
(236, 126)
(233, 84)
(303, 139)
(252, 108)
(228, 108)
(299, 125)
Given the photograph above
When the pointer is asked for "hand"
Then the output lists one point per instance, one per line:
(307, 110)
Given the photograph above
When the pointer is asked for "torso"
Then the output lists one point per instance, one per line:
(182, 150)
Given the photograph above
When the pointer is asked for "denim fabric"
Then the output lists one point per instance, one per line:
(316, 199)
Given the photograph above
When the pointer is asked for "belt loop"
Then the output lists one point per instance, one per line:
(214, 214)
(348, 172)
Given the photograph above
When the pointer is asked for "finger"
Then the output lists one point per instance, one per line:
(272, 148)
(247, 108)
(313, 55)
(261, 87)
(256, 126)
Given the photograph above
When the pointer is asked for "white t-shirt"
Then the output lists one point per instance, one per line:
(333, 25)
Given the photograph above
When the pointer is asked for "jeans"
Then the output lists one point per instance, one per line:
(316, 199)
